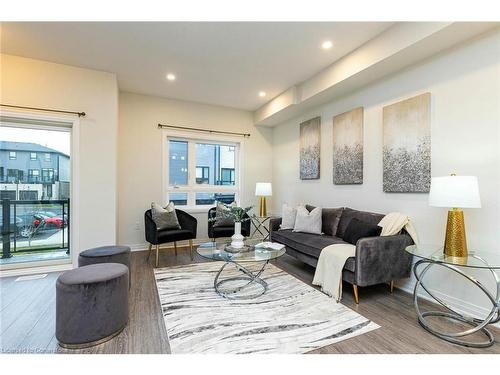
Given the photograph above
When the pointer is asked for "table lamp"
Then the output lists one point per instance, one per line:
(455, 192)
(263, 190)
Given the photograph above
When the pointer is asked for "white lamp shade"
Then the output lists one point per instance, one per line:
(455, 192)
(263, 189)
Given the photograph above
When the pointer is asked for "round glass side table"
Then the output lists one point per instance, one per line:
(433, 256)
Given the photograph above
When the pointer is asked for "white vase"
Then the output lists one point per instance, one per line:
(237, 238)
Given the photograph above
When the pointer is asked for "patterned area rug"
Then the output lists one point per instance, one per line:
(291, 317)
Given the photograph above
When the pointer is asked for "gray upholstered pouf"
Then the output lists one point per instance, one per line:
(91, 304)
(106, 254)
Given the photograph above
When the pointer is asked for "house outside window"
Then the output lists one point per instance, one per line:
(33, 175)
(12, 155)
(202, 174)
(227, 176)
(47, 157)
(32, 155)
(47, 175)
(200, 171)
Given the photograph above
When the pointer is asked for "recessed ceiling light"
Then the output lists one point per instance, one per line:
(262, 94)
(171, 77)
(327, 44)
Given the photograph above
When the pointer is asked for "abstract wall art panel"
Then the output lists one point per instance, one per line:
(348, 148)
(407, 145)
(310, 140)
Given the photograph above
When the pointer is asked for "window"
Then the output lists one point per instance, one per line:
(32, 155)
(202, 174)
(33, 175)
(12, 155)
(47, 157)
(47, 175)
(227, 176)
(178, 162)
(200, 171)
(13, 176)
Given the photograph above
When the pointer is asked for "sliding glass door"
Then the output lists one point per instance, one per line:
(35, 193)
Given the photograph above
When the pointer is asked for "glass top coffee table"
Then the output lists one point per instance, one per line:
(247, 284)
(433, 256)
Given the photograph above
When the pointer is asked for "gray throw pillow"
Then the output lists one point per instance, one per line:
(223, 221)
(164, 218)
(330, 218)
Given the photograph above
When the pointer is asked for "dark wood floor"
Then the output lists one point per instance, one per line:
(27, 320)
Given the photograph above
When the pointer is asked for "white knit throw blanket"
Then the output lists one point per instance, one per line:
(332, 259)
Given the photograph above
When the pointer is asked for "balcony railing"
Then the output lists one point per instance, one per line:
(34, 226)
(27, 180)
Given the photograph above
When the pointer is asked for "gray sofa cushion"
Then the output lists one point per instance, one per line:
(310, 244)
(348, 214)
(330, 218)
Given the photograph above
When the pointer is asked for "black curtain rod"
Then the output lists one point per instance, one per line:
(161, 126)
(80, 114)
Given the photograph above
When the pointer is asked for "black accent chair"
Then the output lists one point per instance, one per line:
(156, 237)
(217, 231)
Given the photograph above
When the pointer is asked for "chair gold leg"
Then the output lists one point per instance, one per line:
(175, 248)
(149, 252)
(191, 249)
(157, 255)
(392, 286)
(356, 298)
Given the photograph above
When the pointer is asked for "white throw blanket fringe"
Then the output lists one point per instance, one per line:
(332, 259)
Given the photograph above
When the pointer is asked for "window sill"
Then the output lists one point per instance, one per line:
(195, 210)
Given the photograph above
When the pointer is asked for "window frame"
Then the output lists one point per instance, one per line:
(33, 156)
(12, 155)
(192, 187)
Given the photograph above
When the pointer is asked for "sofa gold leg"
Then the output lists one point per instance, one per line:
(157, 255)
(391, 285)
(191, 249)
(175, 248)
(356, 298)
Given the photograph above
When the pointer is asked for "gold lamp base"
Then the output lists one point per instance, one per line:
(262, 207)
(455, 243)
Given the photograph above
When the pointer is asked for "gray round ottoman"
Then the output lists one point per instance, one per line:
(91, 304)
(106, 254)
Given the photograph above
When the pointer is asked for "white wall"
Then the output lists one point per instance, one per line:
(465, 91)
(35, 83)
(140, 150)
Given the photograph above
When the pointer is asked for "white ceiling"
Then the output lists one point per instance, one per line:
(217, 63)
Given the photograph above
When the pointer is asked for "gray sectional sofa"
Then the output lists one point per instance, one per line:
(380, 259)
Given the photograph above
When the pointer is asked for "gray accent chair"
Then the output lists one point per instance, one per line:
(378, 260)
(91, 304)
(106, 254)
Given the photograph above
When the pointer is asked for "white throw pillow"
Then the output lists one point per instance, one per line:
(308, 222)
(288, 217)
